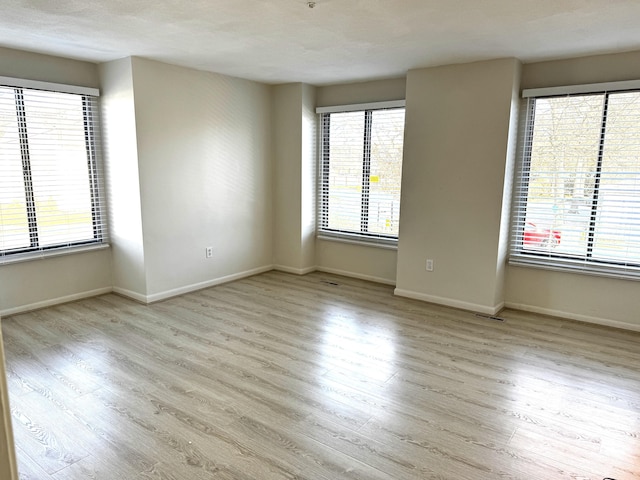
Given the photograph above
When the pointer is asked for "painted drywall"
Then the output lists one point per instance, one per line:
(205, 172)
(606, 301)
(39, 282)
(362, 92)
(120, 155)
(455, 157)
(309, 176)
(507, 191)
(294, 146)
(357, 260)
(8, 465)
(47, 281)
(46, 68)
(576, 71)
(287, 151)
(581, 297)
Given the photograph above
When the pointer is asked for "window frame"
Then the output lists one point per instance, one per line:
(584, 264)
(323, 230)
(91, 125)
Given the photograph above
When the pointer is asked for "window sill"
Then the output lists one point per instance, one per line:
(41, 255)
(577, 266)
(358, 240)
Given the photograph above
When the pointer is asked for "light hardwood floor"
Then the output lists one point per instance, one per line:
(317, 377)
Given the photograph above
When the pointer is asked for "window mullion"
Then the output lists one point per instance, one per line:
(598, 175)
(26, 168)
(366, 171)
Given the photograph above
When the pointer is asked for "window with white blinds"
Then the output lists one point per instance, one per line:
(361, 171)
(50, 180)
(577, 192)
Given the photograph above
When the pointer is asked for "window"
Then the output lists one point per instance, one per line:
(361, 171)
(577, 196)
(50, 192)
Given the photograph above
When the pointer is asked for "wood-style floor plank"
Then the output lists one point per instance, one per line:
(317, 377)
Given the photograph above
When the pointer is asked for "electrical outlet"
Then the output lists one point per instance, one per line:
(429, 265)
(209, 252)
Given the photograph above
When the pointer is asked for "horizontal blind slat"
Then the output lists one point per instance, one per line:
(360, 172)
(51, 186)
(576, 201)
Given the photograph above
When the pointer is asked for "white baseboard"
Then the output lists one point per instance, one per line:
(55, 301)
(156, 297)
(574, 316)
(295, 271)
(359, 276)
(449, 302)
(138, 297)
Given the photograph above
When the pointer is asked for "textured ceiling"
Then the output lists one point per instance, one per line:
(277, 41)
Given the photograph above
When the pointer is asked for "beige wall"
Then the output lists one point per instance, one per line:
(188, 157)
(293, 131)
(361, 261)
(287, 174)
(582, 297)
(455, 157)
(362, 92)
(309, 176)
(37, 283)
(577, 71)
(45, 68)
(205, 170)
(120, 153)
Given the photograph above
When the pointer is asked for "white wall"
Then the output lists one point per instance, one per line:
(309, 176)
(41, 282)
(582, 297)
(46, 68)
(456, 153)
(120, 153)
(205, 170)
(294, 146)
(287, 162)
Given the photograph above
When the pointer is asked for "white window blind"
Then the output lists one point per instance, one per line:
(577, 192)
(50, 180)
(360, 174)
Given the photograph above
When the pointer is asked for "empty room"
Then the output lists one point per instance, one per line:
(319, 240)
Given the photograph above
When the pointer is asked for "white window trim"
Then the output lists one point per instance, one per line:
(388, 243)
(40, 255)
(49, 86)
(356, 239)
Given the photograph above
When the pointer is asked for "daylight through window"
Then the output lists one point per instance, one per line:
(360, 175)
(49, 178)
(577, 203)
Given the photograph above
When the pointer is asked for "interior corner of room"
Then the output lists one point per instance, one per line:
(230, 164)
